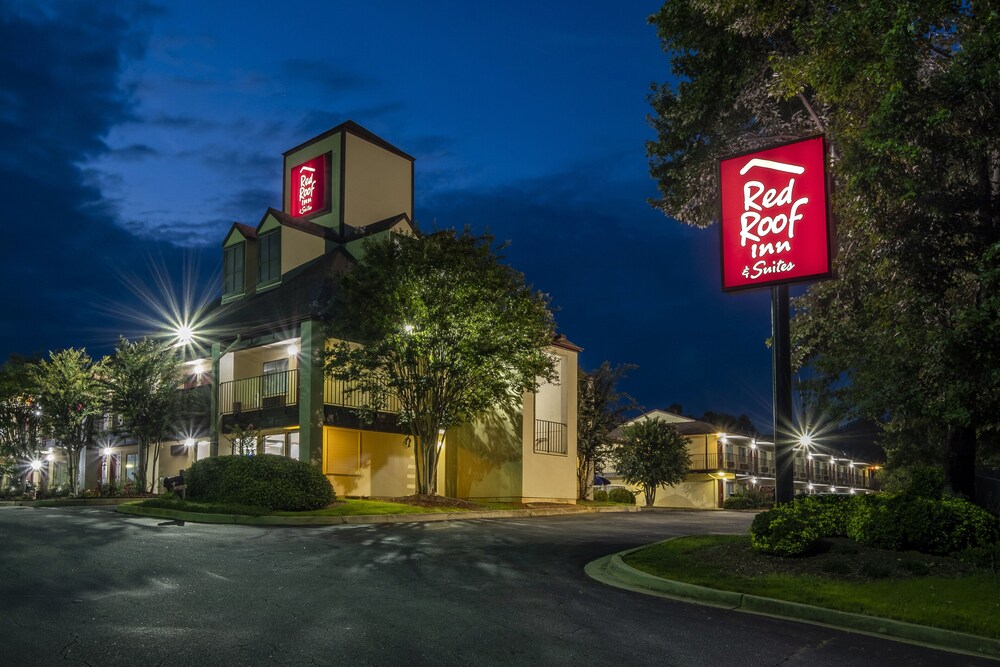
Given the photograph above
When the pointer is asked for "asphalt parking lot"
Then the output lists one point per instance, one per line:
(90, 586)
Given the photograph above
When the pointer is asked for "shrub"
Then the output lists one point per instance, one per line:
(830, 514)
(621, 495)
(600, 496)
(935, 526)
(783, 532)
(273, 482)
(750, 498)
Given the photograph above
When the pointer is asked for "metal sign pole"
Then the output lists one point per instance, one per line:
(781, 373)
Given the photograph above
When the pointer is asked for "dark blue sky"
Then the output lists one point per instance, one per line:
(133, 135)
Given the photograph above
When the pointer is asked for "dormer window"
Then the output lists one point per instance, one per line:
(232, 269)
(269, 258)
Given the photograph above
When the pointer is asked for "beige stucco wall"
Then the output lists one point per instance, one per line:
(377, 183)
(552, 477)
(697, 491)
(489, 457)
(386, 467)
(250, 363)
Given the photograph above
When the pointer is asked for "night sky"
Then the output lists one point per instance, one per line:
(132, 136)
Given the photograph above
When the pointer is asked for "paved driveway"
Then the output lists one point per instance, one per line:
(94, 587)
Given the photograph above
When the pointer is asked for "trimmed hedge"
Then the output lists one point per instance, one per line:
(749, 499)
(269, 481)
(904, 522)
(600, 496)
(621, 495)
(783, 532)
(895, 522)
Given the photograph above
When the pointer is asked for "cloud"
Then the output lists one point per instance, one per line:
(60, 70)
(322, 75)
(134, 152)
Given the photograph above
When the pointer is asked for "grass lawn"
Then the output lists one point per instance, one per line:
(916, 588)
(351, 506)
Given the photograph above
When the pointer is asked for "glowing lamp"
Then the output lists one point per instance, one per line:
(189, 442)
(36, 465)
(293, 349)
(106, 451)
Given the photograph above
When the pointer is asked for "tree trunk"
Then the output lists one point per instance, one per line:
(156, 458)
(961, 460)
(650, 493)
(585, 478)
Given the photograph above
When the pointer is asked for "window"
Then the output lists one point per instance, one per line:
(342, 452)
(131, 466)
(275, 377)
(203, 451)
(232, 269)
(274, 444)
(269, 257)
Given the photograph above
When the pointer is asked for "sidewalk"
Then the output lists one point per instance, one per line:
(613, 570)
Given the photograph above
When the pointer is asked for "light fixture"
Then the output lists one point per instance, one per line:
(36, 464)
(809, 456)
(805, 440)
(408, 328)
(106, 451)
(293, 349)
(753, 480)
(189, 442)
(184, 335)
(199, 368)
(50, 457)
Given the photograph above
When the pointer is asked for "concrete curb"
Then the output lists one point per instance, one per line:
(70, 502)
(241, 519)
(613, 570)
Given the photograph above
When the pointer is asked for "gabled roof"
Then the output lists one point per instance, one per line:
(376, 227)
(561, 341)
(302, 295)
(358, 131)
(299, 224)
(246, 231)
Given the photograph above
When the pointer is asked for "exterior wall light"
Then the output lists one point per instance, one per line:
(806, 440)
(189, 442)
(106, 451)
(754, 480)
(50, 457)
(36, 464)
(408, 328)
(199, 368)
(293, 349)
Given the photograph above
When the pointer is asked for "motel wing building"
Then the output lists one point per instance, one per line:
(340, 188)
(723, 464)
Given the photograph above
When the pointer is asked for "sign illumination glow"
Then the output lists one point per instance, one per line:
(309, 187)
(774, 216)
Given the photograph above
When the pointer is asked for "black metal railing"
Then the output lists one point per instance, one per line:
(550, 437)
(273, 390)
(339, 393)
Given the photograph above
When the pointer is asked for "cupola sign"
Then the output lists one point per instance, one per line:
(309, 187)
(774, 216)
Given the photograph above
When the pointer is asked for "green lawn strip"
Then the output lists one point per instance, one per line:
(202, 508)
(968, 603)
(351, 507)
(601, 503)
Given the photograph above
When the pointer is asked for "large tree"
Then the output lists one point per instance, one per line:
(907, 94)
(143, 388)
(69, 392)
(19, 415)
(651, 454)
(601, 408)
(441, 327)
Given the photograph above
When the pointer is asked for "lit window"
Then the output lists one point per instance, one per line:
(131, 466)
(232, 269)
(274, 444)
(269, 257)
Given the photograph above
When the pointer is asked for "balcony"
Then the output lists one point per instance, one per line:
(274, 390)
(550, 437)
(338, 393)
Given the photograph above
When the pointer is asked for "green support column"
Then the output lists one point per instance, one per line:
(214, 418)
(311, 393)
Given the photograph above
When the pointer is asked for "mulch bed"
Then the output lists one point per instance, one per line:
(435, 501)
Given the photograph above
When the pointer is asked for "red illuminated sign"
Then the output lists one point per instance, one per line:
(774, 216)
(309, 187)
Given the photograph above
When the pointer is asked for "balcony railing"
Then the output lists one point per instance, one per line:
(274, 390)
(337, 392)
(820, 474)
(550, 437)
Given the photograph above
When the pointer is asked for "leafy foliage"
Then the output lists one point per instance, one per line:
(142, 383)
(783, 532)
(243, 439)
(439, 325)
(19, 414)
(750, 498)
(600, 409)
(652, 453)
(620, 495)
(273, 482)
(908, 96)
(69, 391)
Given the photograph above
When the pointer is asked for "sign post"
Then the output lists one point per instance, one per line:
(776, 231)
